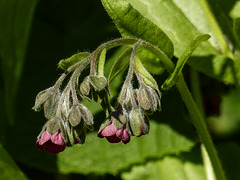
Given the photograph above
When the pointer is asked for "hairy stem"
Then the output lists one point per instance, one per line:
(200, 126)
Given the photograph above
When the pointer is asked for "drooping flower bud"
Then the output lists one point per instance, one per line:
(50, 106)
(128, 101)
(139, 122)
(50, 138)
(148, 99)
(78, 113)
(42, 97)
(95, 87)
(85, 87)
(115, 129)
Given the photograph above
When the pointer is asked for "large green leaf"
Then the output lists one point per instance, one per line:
(182, 20)
(169, 167)
(15, 23)
(131, 23)
(100, 156)
(8, 169)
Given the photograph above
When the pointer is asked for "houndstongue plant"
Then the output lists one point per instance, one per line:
(68, 119)
(148, 51)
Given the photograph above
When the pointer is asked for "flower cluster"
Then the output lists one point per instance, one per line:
(68, 119)
(130, 117)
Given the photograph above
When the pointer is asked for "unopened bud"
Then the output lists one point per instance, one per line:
(139, 122)
(87, 117)
(143, 99)
(148, 99)
(99, 83)
(85, 87)
(78, 113)
(135, 120)
(129, 101)
(50, 106)
(75, 115)
(42, 98)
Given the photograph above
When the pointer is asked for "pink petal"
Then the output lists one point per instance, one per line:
(40, 147)
(58, 139)
(113, 139)
(110, 130)
(119, 133)
(54, 148)
(44, 138)
(125, 137)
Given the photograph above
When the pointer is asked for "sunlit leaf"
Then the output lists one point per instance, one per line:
(174, 17)
(132, 24)
(100, 156)
(169, 167)
(182, 20)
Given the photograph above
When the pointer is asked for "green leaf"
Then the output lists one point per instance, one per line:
(183, 59)
(15, 22)
(150, 61)
(101, 62)
(219, 67)
(8, 169)
(181, 20)
(100, 156)
(234, 13)
(147, 77)
(120, 64)
(169, 167)
(66, 63)
(131, 23)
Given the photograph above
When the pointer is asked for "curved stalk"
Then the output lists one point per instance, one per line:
(200, 125)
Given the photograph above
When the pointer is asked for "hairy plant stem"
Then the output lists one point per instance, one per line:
(195, 88)
(200, 125)
(127, 86)
(109, 45)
